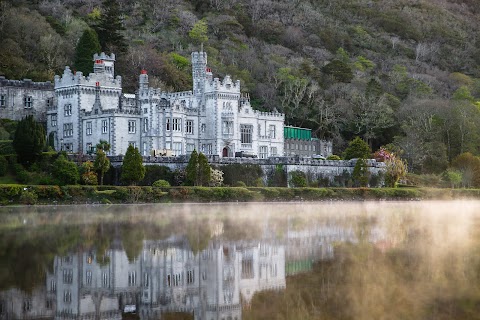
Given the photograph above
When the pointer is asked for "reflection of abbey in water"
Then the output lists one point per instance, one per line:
(168, 277)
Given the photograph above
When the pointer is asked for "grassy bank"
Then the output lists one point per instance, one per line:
(24, 194)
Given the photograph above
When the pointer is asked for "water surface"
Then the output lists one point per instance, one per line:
(366, 260)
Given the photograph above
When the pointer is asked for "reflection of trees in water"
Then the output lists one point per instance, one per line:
(426, 273)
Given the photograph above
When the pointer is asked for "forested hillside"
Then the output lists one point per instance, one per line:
(392, 71)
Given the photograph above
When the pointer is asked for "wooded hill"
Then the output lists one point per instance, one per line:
(393, 71)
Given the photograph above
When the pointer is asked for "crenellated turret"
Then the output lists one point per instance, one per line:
(199, 72)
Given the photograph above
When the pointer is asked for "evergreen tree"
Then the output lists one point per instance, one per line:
(133, 170)
(87, 46)
(197, 171)
(29, 140)
(357, 148)
(110, 28)
(191, 169)
(204, 171)
(102, 163)
(360, 173)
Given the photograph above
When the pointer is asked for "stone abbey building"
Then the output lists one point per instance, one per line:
(214, 118)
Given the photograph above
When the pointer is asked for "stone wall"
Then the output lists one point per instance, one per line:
(314, 169)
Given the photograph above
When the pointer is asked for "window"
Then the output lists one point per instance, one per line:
(189, 126)
(53, 286)
(68, 110)
(145, 110)
(167, 124)
(169, 281)
(67, 130)
(53, 120)
(204, 127)
(146, 280)
(132, 126)
(104, 279)
(190, 276)
(104, 126)
(177, 124)
(89, 149)
(177, 280)
(27, 305)
(67, 275)
(145, 149)
(3, 100)
(49, 102)
(88, 130)
(208, 149)
(273, 270)
(177, 148)
(145, 124)
(88, 277)
(247, 269)
(263, 152)
(68, 146)
(227, 127)
(190, 147)
(272, 131)
(67, 296)
(49, 304)
(132, 278)
(28, 102)
(273, 151)
(246, 133)
(132, 143)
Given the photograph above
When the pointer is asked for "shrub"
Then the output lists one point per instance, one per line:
(28, 197)
(298, 179)
(3, 166)
(357, 148)
(156, 172)
(240, 184)
(333, 157)
(161, 184)
(65, 171)
(248, 173)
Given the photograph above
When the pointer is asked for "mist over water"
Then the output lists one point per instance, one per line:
(353, 260)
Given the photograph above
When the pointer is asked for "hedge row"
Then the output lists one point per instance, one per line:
(24, 194)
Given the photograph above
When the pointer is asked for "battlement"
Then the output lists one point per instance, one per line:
(199, 57)
(227, 85)
(103, 56)
(269, 114)
(69, 78)
(26, 83)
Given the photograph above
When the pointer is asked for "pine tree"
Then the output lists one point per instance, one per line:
(204, 171)
(29, 140)
(191, 169)
(87, 46)
(133, 170)
(110, 28)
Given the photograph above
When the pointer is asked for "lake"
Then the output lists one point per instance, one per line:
(328, 260)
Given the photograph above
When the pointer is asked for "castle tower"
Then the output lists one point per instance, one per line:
(104, 63)
(143, 80)
(199, 72)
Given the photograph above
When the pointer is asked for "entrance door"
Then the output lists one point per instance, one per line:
(225, 152)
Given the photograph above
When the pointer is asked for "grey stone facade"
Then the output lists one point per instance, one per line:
(308, 148)
(214, 118)
(20, 98)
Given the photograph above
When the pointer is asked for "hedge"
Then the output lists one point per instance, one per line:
(39, 194)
